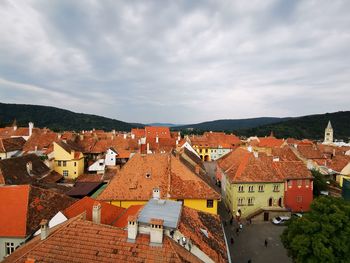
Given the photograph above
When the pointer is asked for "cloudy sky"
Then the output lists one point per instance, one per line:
(177, 61)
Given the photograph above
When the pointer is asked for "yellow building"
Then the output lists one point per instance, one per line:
(250, 184)
(67, 161)
(143, 174)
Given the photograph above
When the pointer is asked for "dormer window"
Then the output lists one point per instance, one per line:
(148, 175)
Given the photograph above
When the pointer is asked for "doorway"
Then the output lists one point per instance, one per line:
(270, 201)
(266, 216)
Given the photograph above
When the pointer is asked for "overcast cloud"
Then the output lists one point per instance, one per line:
(177, 61)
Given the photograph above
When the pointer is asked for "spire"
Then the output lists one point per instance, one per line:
(329, 125)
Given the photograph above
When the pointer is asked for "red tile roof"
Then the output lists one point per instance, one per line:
(142, 173)
(138, 132)
(40, 141)
(242, 166)
(23, 207)
(79, 240)
(122, 221)
(154, 131)
(109, 213)
(191, 223)
(215, 140)
(310, 152)
(268, 142)
(11, 144)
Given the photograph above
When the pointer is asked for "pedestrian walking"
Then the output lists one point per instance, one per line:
(265, 242)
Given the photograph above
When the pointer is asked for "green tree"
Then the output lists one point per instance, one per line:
(320, 182)
(322, 235)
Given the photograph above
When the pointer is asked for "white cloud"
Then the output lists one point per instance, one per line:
(177, 61)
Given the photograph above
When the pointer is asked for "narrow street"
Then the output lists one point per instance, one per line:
(249, 243)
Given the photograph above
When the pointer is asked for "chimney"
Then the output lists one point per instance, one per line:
(333, 152)
(81, 136)
(96, 213)
(147, 148)
(29, 166)
(197, 169)
(31, 126)
(156, 193)
(156, 231)
(157, 139)
(139, 142)
(250, 148)
(132, 228)
(256, 154)
(124, 135)
(36, 148)
(132, 136)
(44, 229)
(59, 135)
(113, 132)
(276, 158)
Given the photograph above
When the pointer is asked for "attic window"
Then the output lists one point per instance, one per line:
(148, 175)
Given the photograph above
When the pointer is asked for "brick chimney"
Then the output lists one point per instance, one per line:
(132, 136)
(96, 213)
(157, 139)
(44, 229)
(156, 231)
(132, 228)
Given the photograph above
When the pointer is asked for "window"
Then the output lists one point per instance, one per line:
(307, 183)
(299, 199)
(299, 182)
(276, 188)
(289, 183)
(250, 201)
(59, 163)
(65, 172)
(64, 163)
(251, 188)
(148, 175)
(206, 150)
(75, 163)
(240, 188)
(261, 188)
(210, 203)
(240, 201)
(9, 248)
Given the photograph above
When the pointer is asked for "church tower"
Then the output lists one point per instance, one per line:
(328, 133)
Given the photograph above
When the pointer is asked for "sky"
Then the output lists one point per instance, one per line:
(177, 61)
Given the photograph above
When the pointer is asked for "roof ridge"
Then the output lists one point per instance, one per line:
(60, 228)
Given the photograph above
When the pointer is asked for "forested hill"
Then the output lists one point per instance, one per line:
(57, 119)
(231, 124)
(311, 126)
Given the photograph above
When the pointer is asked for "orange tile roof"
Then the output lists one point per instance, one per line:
(40, 141)
(270, 142)
(79, 240)
(215, 140)
(191, 223)
(242, 166)
(138, 132)
(292, 170)
(284, 153)
(11, 144)
(165, 171)
(155, 131)
(310, 152)
(108, 212)
(23, 207)
(122, 221)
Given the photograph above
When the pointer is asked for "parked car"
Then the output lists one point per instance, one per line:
(297, 215)
(280, 220)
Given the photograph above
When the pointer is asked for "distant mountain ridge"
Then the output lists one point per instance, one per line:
(57, 119)
(310, 126)
(231, 124)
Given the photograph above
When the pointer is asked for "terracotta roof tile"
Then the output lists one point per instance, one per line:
(142, 173)
(122, 221)
(109, 213)
(11, 144)
(83, 241)
(23, 207)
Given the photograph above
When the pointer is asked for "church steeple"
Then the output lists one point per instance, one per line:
(328, 133)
